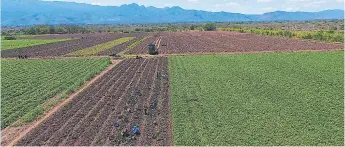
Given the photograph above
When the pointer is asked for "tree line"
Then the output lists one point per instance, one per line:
(321, 35)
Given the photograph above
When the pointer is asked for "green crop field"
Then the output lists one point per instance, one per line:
(13, 44)
(101, 47)
(291, 99)
(29, 87)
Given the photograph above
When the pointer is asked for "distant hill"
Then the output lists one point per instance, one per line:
(32, 12)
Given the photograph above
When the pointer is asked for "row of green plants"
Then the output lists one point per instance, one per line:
(13, 44)
(328, 36)
(101, 47)
(271, 99)
(27, 85)
(134, 44)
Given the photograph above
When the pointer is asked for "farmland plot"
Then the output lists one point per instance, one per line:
(62, 48)
(229, 42)
(141, 46)
(12, 44)
(101, 47)
(28, 84)
(120, 48)
(134, 92)
(272, 99)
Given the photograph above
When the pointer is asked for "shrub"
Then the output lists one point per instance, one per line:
(209, 27)
(10, 38)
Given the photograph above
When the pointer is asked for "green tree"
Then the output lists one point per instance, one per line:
(192, 27)
(210, 27)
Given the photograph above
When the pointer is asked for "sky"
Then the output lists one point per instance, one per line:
(235, 6)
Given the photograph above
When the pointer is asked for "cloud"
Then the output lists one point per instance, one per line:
(315, 3)
(269, 9)
(340, 1)
(232, 4)
(229, 4)
(291, 9)
(168, 5)
(94, 3)
(263, 1)
(193, 1)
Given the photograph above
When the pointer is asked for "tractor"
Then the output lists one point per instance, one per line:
(152, 49)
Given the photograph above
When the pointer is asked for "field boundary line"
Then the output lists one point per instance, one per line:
(64, 102)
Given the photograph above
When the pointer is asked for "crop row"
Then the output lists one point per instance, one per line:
(141, 45)
(62, 48)
(12, 44)
(224, 41)
(133, 93)
(101, 47)
(258, 99)
(27, 84)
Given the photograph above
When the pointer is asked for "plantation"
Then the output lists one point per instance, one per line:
(13, 44)
(29, 87)
(101, 47)
(288, 99)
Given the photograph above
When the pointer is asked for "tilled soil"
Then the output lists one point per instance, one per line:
(134, 92)
(119, 48)
(61, 36)
(61, 48)
(222, 42)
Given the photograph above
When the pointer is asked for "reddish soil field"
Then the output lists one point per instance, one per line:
(62, 48)
(222, 42)
(134, 92)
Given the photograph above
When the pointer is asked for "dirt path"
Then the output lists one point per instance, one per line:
(9, 134)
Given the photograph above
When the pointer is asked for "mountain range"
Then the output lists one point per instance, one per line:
(33, 12)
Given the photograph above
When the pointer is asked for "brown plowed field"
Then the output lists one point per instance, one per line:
(61, 36)
(222, 42)
(61, 48)
(134, 92)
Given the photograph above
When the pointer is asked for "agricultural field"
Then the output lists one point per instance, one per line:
(101, 47)
(122, 47)
(61, 48)
(215, 42)
(135, 92)
(30, 87)
(12, 44)
(249, 90)
(284, 99)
